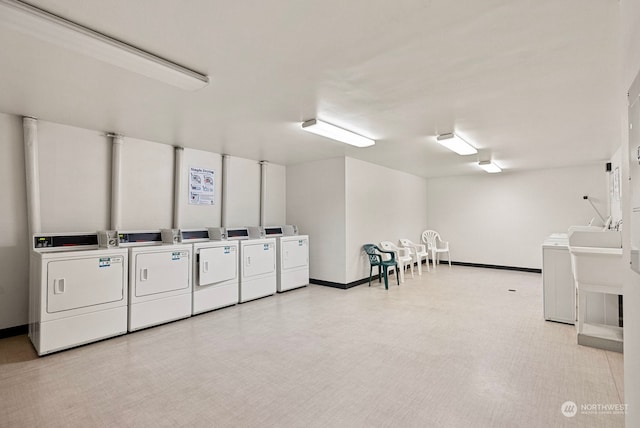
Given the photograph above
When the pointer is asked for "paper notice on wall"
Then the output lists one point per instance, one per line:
(201, 186)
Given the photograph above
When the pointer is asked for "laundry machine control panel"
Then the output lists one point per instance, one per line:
(225, 233)
(51, 241)
(139, 237)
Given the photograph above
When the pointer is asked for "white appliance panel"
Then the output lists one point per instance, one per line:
(161, 272)
(217, 264)
(258, 258)
(72, 331)
(559, 291)
(295, 253)
(83, 282)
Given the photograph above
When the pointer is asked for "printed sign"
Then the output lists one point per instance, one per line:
(201, 186)
(104, 262)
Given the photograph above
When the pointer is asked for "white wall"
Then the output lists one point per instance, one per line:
(147, 185)
(382, 204)
(502, 219)
(14, 242)
(243, 198)
(75, 178)
(316, 204)
(343, 203)
(198, 216)
(275, 212)
(630, 28)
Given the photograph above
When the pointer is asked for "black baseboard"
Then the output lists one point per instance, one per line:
(480, 265)
(338, 284)
(374, 277)
(14, 331)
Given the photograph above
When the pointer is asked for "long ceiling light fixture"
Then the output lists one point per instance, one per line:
(55, 29)
(331, 131)
(489, 166)
(455, 143)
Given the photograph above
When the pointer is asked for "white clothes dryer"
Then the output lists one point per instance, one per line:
(257, 268)
(292, 257)
(215, 270)
(159, 279)
(257, 262)
(77, 292)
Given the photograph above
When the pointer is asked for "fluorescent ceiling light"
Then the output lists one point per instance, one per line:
(489, 166)
(331, 131)
(456, 144)
(52, 28)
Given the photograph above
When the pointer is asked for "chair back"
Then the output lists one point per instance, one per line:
(429, 237)
(388, 245)
(406, 243)
(374, 257)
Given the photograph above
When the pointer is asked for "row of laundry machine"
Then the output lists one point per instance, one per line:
(88, 287)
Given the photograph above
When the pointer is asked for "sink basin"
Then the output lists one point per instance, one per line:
(606, 239)
(598, 267)
(596, 260)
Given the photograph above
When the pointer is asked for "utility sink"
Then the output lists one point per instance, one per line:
(598, 267)
(596, 259)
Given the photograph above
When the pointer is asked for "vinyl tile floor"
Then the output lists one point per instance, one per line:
(451, 348)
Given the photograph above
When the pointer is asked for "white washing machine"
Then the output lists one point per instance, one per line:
(159, 279)
(215, 269)
(257, 258)
(78, 293)
(292, 257)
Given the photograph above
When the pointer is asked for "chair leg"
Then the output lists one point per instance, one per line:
(433, 259)
(411, 267)
(379, 274)
(449, 255)
(397, 278)
(386, 280)
(370, 273)
(419, 266)
(402, 266)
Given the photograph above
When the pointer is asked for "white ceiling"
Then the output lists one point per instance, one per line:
(534, 84)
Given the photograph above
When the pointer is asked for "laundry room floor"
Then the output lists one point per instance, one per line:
(452, 348)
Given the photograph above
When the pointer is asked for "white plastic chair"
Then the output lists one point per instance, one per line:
(418, 252)
(403, 257)
(436, 245)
